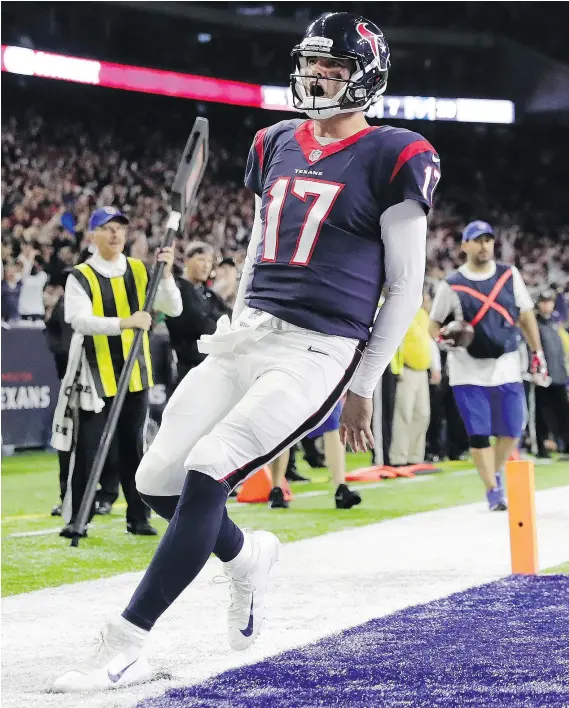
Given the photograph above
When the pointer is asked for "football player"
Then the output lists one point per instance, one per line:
(341, 212)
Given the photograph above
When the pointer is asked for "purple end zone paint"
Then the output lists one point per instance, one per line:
(502, 644)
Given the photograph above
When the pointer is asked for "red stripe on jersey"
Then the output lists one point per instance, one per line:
(313, 151)
(410, 151)
(260, 146)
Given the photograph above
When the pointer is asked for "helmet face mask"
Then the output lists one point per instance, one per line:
(318, 90)
(361, 68)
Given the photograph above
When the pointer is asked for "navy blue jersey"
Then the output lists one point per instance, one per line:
(320, 264)
(490, 306)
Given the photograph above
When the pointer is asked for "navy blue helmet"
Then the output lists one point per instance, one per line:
(342, 36)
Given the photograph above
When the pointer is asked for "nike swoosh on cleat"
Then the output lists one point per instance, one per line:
(248, 631)
(113, 678)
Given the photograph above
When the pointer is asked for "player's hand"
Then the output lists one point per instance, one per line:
(140, 320)
(538, 369)
(166, 256)
(355, 423)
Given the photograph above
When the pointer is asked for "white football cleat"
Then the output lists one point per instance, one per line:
(117, 661)
(246, 611)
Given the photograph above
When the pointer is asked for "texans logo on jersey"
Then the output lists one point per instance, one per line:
(376, 41)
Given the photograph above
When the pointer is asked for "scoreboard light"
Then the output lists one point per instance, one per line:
(29, 62)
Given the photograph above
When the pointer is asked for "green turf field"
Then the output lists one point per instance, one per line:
(30, 488)
(557, 569)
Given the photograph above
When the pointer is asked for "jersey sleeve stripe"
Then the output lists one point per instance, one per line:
(260, 146)
(410, 151)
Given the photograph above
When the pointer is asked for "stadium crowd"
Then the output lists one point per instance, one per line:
(56, 171)
(54, 174)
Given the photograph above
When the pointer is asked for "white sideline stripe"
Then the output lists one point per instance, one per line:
(41, 532)
(49, 532)
(235, 506)
(321, 586)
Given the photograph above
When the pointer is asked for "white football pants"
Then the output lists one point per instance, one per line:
(239, 410)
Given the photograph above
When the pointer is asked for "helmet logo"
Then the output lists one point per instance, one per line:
(315, 155)
(375, 41)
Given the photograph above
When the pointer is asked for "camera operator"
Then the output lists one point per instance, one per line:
(202, 307)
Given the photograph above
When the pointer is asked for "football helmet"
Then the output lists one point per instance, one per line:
(345, 36)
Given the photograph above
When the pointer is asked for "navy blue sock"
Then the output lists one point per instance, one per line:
(229, 540)
(183, 551)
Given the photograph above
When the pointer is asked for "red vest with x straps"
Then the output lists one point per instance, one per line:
(490, 307)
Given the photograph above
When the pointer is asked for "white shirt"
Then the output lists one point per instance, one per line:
(31, 295)
(79, 308)
(404, 235)
(463, 368)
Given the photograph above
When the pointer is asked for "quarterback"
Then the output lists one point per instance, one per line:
(341, 215)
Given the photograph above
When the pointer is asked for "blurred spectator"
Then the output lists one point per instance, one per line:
(34, 277)
(384, 410)
(226, 281)
(202, 308)
(412, 406)
(11, 289)
(58, 333)
(552, 404)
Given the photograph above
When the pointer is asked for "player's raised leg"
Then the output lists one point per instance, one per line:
(289, 398)
(280, 407)
(200, 401)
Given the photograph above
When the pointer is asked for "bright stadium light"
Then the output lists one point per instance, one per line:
(28, 62)
(476, 110)
(19, 60)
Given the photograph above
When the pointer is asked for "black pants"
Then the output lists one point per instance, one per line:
(551, 414)
(109, 481)
(388, 391)
(456, 435)
(436, 421)
(128, 444)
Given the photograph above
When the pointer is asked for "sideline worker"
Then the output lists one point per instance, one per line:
(202, 308)
(104, 298)
(59, 335)
(552, 404)
(421, 364)
(486, 378)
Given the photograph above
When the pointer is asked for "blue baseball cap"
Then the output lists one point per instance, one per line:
(102, 216)
(476, 229)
